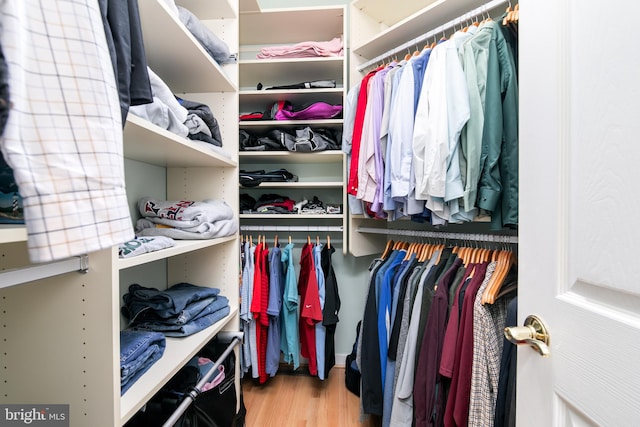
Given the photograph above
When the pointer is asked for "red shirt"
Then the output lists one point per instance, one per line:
(352, 187)
(259, 305)
(310, 311)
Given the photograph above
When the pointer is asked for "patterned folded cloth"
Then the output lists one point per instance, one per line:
(184, 219)
(142, 245)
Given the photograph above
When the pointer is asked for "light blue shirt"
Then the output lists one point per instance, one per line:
(389, 204)
(401, 133)
(290, 341)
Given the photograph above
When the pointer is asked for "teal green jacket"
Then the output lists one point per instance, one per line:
(498, 185)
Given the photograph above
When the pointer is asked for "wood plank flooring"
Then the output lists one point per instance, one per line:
(299, 400)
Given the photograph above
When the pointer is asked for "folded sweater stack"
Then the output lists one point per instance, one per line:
(185, 220)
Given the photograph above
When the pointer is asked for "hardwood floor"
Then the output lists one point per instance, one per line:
(299, 400)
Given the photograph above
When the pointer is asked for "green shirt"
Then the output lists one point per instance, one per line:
(498, 186)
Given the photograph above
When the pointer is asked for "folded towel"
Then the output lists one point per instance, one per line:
(332, 47)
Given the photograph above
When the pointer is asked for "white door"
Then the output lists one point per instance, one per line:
(579, 250)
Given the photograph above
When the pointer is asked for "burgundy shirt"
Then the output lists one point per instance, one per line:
(451, 334)
(457, 409)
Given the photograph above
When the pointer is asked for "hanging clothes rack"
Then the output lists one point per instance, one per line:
(236, 338)
(485, 8)
(42, 271)
(474, 237)
(293, 228)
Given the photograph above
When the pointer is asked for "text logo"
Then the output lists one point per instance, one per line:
(34, 415)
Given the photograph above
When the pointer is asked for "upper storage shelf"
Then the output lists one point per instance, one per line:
(168, 42)
(304, 24)
(210, 9)
(148, 143)
(418, 23)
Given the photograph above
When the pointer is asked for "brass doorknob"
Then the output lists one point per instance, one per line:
(534, 333)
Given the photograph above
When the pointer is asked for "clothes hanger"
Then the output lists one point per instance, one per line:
(275, 241)
(507, 16)
(426, 253)
(308, 239)
(317, 240)
(408, 55)
(387, 249)
(417, 52)
(497, 285)
(289, 238)
(409, 250)
(328, 242)
(504, 263)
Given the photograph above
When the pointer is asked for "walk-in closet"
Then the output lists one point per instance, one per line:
(321, 213)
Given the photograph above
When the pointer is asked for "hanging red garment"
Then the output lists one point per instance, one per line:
(352, 186)
(310, 310)
(259, 305)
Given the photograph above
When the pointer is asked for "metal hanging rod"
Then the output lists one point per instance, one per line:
(436, 31)
(496, 238)
(293, 228)
(18, 276)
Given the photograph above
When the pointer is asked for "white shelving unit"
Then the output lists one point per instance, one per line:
(321, 173)
(367, 44)
(60, 335)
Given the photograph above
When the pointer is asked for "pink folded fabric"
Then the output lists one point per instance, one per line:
(307, 49)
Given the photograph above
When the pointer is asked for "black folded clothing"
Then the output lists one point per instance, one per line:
(246, 202)
(255, 178)
(315, 84)
(274, 203)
